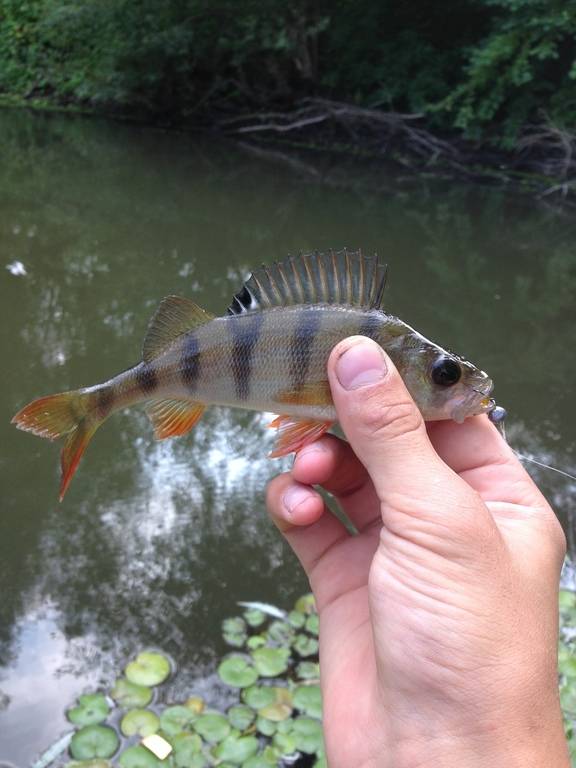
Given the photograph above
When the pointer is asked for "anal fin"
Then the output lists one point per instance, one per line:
(171, 418)
(294, 434)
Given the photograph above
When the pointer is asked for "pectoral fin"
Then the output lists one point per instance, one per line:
(171, 418)
(294, 434)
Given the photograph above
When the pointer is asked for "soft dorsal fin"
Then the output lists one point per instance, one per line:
(336, 277)
(175, 316)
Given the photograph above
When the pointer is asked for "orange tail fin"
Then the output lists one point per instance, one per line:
(70, 415)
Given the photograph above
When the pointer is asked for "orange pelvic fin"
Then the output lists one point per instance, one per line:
(70, 415)
(315, 393)
(171, 418)
(294, 434)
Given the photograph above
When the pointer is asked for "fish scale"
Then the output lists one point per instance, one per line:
(268, 353)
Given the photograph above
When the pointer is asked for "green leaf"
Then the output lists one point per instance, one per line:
(149, 668)
(306, 604)
(296, 619)
(254, 617)
(271, 662)
(308, 699)
(307, 734)
(275, 712)
(258, 696)
(213, 727)
(237, 672)
(308, 670)
(92, 708)
(305, 645)
(256, 641)
(186, 748)
(285, 743)
(141, 722)
(127, 694)
(265, 726)
(240, 716)
(176, 719)
(236, 750)
(94, 741)
(313, 624)
(280, 632)
(261, 761)
(139, 757)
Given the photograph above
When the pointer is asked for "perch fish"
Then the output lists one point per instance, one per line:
(268, 353)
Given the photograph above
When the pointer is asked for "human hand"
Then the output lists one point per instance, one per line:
(438, 621)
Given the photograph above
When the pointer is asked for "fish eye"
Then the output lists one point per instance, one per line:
(446, 372)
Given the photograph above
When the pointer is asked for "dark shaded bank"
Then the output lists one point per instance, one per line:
(478, 88)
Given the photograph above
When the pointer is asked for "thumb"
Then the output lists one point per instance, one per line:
(387, 433)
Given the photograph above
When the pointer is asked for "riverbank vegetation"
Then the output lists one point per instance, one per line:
(417, 79)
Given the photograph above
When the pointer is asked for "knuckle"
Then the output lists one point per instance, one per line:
(378, 417)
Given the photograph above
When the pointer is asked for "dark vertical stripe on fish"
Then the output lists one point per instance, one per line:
(245, 332)
(146, 377)
(190, 361)
(301, 345)
(370, 326)
(104, 400)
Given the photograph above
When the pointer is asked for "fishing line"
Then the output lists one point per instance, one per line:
(545, 466)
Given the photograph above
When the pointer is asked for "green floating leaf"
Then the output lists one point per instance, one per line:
(234, 626)
(271, 662)
(280, 632)
(256, 641)
(141, 722)
(148, 668)
(285, 743)
(308, 670)
(94, 741)
(567, 600)
(258, 696)
(307, 734)
(92, 709)
(306, 604)
(320, 763)
(308, 699)
(296, 619)
(261, 761)
(138, 757)
(305, 645)
(254, 617)
(313, 624)
(237, 672)
(128, 695)
(240, 716)
(174, 720)
(265, 726)
(236, 750)
(89, 764)
(186, 749)
(213, 727)
(275, 712)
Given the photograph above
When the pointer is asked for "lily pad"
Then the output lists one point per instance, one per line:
(254, 617)
(308, 670)
(265, 726)
(234, 631)
(240, 716)
(261, 761)
(306, 604)
(176, 719)
(276, 712)
(128, 695)
(237, 672)
(313, 624)
(138, 757)
(94, 741)
(256, 641)
(308, 699)
(213, 727)
(196, 704)
(285, 743)
(92, 708)
(296, 619)
(305, 645)
(148, 668)
(307, 734)
(236, 750)
(258, 696)
(89, 764)
(280, 632)
(141, 722)
(271, 662)
(186, 748)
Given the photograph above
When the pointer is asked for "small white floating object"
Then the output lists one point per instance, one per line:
(53, 752)
(16, 268)
(159, 747)
(271, 610)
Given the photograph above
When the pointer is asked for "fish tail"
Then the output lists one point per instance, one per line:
(73, 416)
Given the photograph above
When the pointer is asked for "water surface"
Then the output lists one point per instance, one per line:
(156, 542)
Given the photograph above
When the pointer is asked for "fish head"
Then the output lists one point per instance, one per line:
(443, 384)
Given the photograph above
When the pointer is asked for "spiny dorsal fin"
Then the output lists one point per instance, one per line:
(175, 316)
(336, 277)
(171, 418)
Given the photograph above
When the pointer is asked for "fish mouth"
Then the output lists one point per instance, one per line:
(476, 402)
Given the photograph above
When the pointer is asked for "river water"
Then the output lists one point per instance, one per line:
(156, 542)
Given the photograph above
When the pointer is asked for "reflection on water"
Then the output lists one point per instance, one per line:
(155, 543)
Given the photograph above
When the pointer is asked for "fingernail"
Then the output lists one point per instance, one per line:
(360, 365)
(293, 497)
